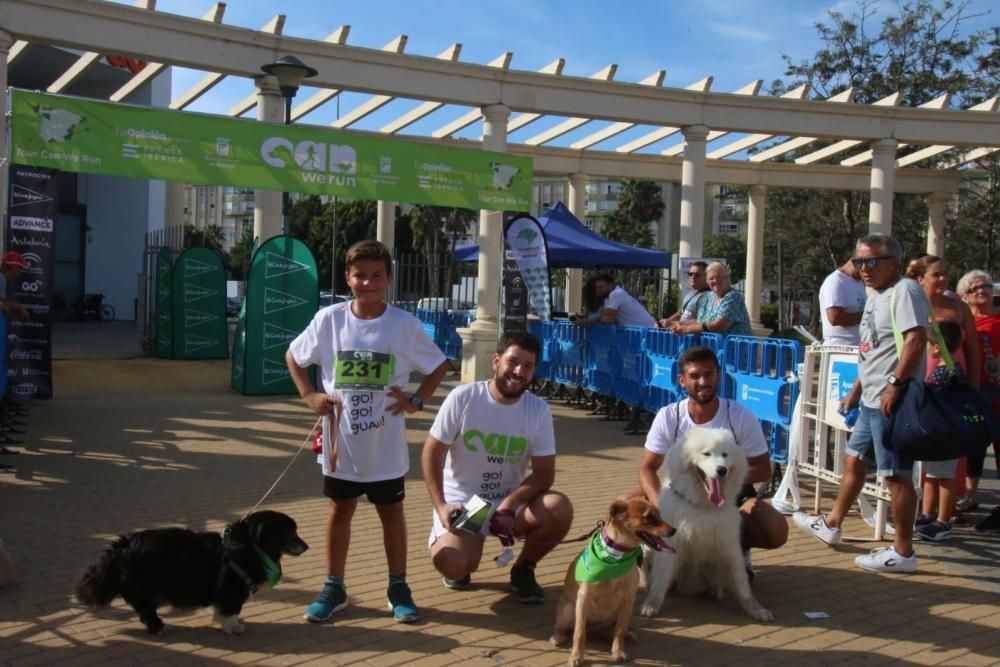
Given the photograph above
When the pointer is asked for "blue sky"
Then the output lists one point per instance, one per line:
(736, 41)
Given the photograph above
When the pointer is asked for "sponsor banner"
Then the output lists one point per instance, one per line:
(282, 297)
(165, 304)
(525, 272)
(199, 306)
(31, 232)
(82, 135)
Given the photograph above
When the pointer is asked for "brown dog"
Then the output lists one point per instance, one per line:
(601, 583)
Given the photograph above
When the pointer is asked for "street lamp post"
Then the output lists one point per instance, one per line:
(289, 71)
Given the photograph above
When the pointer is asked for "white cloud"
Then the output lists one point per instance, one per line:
(741, 32)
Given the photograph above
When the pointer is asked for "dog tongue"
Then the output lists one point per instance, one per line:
(715, 495)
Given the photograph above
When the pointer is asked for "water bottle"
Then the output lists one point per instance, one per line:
(850, 416)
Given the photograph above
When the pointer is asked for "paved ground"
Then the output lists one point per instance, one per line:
(133, 443)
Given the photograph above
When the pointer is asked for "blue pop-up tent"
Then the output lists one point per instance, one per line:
(572, 245)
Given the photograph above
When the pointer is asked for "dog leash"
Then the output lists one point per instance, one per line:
(336, 414)
(583, 538)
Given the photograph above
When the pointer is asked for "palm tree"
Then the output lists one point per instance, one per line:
(456, 225)
(640, 201)
(427, 223)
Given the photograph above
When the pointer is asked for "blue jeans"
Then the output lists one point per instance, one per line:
(867, 435)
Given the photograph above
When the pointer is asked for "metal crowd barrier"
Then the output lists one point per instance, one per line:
(638, 366)
(826, 376)
(760, 374)
(442, 328)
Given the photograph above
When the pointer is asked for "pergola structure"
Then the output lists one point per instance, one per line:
(867, 139)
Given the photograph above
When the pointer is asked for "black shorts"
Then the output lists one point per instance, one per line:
(382, 492)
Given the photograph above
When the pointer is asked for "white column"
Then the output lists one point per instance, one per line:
(755, 254)
(6, 40)
(385, 225)
(693, 191)
(882, 183)
(267, 221)
(174, 211)
(479, 340)
(936, 202)
(577, 206)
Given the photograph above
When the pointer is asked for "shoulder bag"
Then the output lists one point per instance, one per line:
(932, 422)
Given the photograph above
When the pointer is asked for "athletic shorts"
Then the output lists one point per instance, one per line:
(381, 492)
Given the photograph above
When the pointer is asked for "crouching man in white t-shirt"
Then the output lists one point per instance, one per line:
(763, 527)
(480, 444)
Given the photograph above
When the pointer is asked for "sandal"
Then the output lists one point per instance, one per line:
(966, 504)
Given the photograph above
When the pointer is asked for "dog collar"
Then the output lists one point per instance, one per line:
(615, 549)
(678, 494)
(599, 562)
(271, 569)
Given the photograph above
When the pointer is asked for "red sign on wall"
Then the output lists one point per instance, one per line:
(133, 65)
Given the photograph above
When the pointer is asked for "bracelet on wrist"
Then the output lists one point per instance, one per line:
(505, 512)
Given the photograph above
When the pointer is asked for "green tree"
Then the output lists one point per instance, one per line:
(640, 201)
(314, 223)
(239, 256)
(632, 232)
(732, 248)
(921, 51)
(209, 236)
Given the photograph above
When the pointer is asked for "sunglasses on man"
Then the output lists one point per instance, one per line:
(694, 275)
(868, 262)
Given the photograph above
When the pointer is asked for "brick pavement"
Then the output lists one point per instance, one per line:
(138, 443)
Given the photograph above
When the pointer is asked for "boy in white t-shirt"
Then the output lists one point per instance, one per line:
(366, 350)
(763, 527)
(480, 444)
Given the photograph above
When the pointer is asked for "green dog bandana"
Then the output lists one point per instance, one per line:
(271, 569)
(598, 562)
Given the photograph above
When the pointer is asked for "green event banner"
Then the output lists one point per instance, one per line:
(164, 304)
(282, 298)
(81, 135)
(199, 293)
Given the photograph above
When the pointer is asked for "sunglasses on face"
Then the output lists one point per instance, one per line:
(694, 275)
(978, 288)
(869, 262)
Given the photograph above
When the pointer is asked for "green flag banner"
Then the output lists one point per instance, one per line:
(200, 327)
(164, 304)
(282, 297)
(83, 135)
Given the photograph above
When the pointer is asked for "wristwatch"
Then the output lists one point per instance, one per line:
(895, 381)
(417, 403)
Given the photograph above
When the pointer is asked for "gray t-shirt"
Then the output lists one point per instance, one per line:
(877, 357)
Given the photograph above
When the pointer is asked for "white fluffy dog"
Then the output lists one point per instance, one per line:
(704, 474)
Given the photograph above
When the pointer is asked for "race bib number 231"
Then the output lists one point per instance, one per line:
(362, 369)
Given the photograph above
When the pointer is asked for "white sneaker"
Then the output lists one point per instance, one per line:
(817, 527)
(887, 559)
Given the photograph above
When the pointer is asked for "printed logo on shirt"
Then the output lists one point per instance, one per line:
(499, 448)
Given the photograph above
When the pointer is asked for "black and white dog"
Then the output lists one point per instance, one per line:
(188, 570)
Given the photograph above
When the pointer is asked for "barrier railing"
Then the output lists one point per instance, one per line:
(760, 374)
(826, 376)
(638, 366)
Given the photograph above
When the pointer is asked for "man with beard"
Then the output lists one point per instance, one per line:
(763, 526)
(480, 445)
